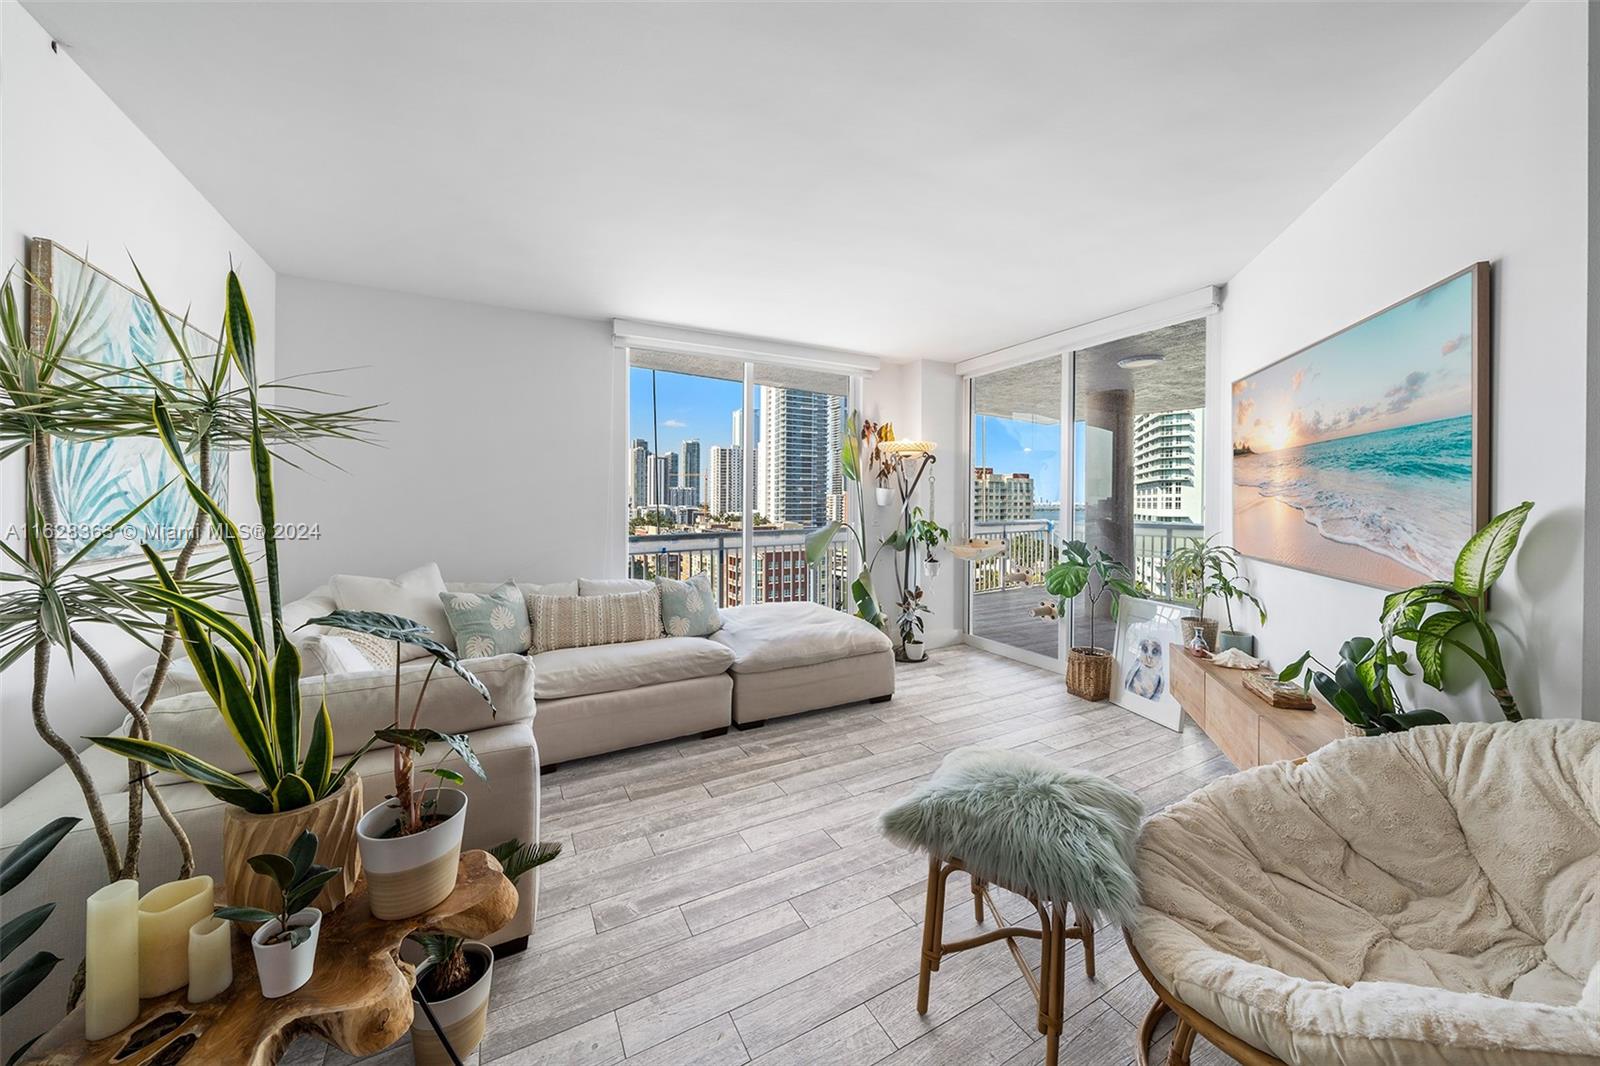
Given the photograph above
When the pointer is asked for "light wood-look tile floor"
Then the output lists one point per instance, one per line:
(730, 900)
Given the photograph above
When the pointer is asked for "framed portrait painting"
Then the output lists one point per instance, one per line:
(1141, 676)
(1365, 456)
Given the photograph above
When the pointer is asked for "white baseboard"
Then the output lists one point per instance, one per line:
(942, 638)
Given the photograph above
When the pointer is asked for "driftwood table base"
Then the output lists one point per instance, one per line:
(359, 998)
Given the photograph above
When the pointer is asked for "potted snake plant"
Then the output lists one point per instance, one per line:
(454, 977)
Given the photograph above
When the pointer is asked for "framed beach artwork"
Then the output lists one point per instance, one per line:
(99, 481)
(1141, 673)
(1365, 456)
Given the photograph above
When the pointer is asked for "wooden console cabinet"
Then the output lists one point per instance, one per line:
(1249, 730)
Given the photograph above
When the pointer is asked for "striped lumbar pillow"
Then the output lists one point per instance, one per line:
(584, 621)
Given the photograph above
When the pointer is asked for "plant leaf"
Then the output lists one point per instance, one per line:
(1410, 719)
(1294, 669)
(293, 793)
(517, 858)
(444, 773)
(15, 986)
(17, 930)
(243, 914)
(286, 705)
(278, 867)
(318, 767)
(26, 856)
(1487, 552)
(165, 757)
(303, 853)
(819, 540)
(1430, 640)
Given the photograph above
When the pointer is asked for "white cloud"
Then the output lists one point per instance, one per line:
(673, 423)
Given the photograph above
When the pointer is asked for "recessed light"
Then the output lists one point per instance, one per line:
(1134, 362)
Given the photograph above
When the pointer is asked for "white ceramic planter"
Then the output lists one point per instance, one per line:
(931, 567)
(883, 495)
(279, 967)
(462, 1017)
(916, 651)
(408, 875)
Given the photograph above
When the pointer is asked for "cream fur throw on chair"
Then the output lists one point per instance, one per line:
(1430, 898)
(1026, 824)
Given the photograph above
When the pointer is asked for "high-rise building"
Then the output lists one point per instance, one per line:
(1001, 497)
(660, 480)
(638, 473)
(793, 472)
(673, 470)
(725, 480)
(689, 477)
(1167, 481)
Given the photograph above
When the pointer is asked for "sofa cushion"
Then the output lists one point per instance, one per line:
(777, 636)
(610, 586)
(612, 667)
(414, 595)
(358, 705)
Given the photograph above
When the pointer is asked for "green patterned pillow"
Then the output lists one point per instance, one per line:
(688, 608)
(489, 623)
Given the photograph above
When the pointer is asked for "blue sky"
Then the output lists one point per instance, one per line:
(1409, 365)
(697, 408)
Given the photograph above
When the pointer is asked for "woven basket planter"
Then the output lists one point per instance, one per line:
(1089, 673)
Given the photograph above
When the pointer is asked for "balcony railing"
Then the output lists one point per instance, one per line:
(1032, 547)
(781, 573)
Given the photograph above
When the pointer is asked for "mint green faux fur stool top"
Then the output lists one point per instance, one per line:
(1057, 837)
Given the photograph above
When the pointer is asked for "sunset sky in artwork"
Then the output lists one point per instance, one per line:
(1409, 365)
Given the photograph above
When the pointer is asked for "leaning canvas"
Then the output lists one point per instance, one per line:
(1365, 456)
(99, 481)
(1142, 679)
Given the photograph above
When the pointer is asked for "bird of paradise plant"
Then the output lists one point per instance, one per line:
(819, 543)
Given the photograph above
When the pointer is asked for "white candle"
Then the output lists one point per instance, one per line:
(111, 964)
(210, 958)
(166, 914)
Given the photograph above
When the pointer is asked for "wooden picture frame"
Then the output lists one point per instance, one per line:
(1307, 512)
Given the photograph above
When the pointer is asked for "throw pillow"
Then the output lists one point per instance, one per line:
(414, 595)
(610, 586)
(688, 608)
(331, 653)
(584, 621)
(489, 623)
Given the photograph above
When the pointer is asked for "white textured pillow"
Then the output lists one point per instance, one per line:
(414, 595)
(330, 654)
(611, 586)
(584, 621)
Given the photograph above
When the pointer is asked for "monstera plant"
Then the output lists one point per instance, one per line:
(1440, 616)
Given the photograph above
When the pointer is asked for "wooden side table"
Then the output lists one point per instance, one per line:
(359, 998)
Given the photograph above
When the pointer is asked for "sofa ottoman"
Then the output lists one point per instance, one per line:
(794, 657)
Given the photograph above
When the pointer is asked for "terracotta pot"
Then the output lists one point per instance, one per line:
(461, 1016)
(284, 967)
(1089, 673)
(333, 819)
(1205, 625)
(407, 875)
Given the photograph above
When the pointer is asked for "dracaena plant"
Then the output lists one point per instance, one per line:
(411, 740)
(17, 983)
(1440, 616)
(298, 878)
(250, 670)
(1200, 570)
(448, 973)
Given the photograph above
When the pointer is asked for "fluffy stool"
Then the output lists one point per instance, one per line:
(1058, 838)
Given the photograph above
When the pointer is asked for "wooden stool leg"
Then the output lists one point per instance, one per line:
(977, 900)
(1055, 991)
(1086, 929)
(929, 931)
(1044, 968)
(943, 881)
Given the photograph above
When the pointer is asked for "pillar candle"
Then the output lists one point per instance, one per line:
(111, 960)
(210, 958)
(166, 914)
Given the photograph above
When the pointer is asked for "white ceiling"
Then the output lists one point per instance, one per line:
(907, 180)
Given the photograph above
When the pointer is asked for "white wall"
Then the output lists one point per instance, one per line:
(76, 170)
(503, 458)
(1491, 166)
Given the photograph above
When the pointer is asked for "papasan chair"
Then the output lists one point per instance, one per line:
(1429, 898)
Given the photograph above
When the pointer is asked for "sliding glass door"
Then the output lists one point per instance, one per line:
(1017, 468)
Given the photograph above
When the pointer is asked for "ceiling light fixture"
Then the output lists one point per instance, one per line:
(1135, 362)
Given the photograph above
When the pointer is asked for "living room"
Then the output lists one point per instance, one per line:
(778, 500)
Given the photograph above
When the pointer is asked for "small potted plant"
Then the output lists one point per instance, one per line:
(1096, 575)
(1200, 570)
(924, 532)
(911, 625)
(1359, 687)
(285, 944)
(875, 434)
(454, 977)
(410, 844)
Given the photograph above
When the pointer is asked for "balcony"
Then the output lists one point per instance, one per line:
(782, 575)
